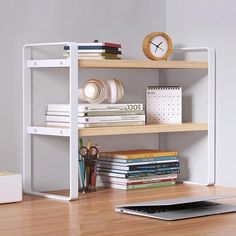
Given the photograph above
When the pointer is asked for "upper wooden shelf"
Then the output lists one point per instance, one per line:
(129, 64)
(100, 131)
(142, 64)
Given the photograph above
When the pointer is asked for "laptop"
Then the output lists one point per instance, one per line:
(179, 208)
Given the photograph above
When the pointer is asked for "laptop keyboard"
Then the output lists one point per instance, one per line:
(160, 209)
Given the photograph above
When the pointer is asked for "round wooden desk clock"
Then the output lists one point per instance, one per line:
(157, 46)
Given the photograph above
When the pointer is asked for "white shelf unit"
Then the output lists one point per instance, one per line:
(73, 132)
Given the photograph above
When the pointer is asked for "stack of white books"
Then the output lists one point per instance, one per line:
(97, 115)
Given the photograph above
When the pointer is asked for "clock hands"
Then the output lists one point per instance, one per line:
(157, 46)
(153, 43)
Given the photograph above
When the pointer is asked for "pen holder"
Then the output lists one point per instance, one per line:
(88, 175)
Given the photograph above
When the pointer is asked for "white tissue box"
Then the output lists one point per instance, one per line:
(10, 187)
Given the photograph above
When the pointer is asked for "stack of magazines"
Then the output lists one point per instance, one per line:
(96, 51)
(136, 169)
(97, 115)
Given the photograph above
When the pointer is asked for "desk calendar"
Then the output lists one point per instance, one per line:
(164, 104)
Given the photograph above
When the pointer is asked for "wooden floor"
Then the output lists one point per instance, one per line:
(94, 214)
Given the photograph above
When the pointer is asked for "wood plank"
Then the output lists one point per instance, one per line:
(93, 214)
(143, 64)
(101, 131)
(143, 129)
(135, 64)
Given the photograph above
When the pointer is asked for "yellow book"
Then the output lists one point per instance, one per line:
(141, 153)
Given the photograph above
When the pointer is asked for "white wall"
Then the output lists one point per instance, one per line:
(189, 23)
(30, 21)
(212, 23)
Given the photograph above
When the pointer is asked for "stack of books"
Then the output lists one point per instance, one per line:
(96, 51)
(136, 169)
(97, 115)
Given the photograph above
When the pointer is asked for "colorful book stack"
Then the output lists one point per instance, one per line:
(96, 51)
(136, 169)
(97, 115)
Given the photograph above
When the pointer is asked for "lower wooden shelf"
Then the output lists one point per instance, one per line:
(101, 131)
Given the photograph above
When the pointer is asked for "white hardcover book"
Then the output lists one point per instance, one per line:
(108, 44)
(111, 174)
(97, 107)
(164, 104)
(96, 113)
(82, 57)
(82, 125)
(97, 119)
(134, 180)
(99, 58)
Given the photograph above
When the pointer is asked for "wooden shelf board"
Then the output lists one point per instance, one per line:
(129, 64)
(143, 64)
(101, 131)
(143, 129)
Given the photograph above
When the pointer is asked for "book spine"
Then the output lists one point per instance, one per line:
(154, 166)
(102, 44)
(139, 155)
(152, 185)
(139, 186)
(96, 113)
(110, 163)
(110, 174)
(140, 166)
(152, 159)
(138, 160)
(141, 180)
(97, 119)
(151, 181)
(145, 174)
(97, 107)
(112, 51)
(97, 47)
(106, 124)
(153, 171)
(99, 58)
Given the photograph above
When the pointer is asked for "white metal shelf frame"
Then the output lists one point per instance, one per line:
(211, 157)
(72, 64)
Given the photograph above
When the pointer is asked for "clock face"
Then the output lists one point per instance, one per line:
(158, 46)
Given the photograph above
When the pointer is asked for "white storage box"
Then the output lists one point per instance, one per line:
(10, 187)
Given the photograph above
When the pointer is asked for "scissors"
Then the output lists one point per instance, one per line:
(89, 156)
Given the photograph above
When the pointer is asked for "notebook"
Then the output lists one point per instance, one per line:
(179, 208)
(164, 104)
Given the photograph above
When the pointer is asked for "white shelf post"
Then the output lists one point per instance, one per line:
(73, 121)
(211, 111)
(72, 63)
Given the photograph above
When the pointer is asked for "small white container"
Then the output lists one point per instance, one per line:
(10, 187)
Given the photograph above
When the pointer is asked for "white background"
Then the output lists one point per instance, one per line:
(212, 23)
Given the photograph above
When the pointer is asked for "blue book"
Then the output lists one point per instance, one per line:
(139, 174)
(136, 171)
(103, 164)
